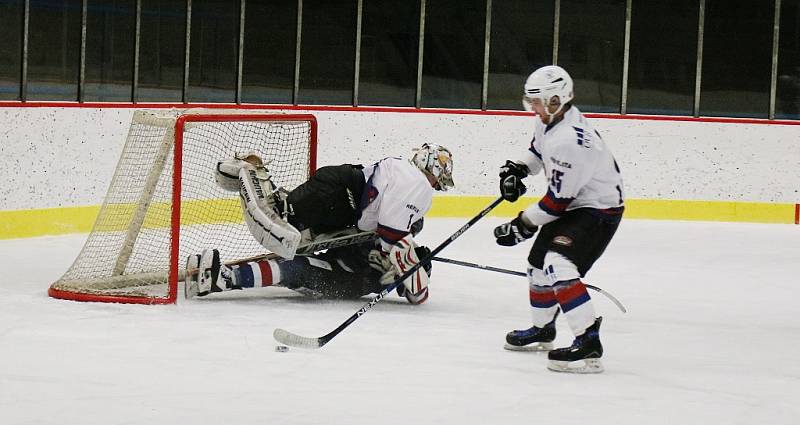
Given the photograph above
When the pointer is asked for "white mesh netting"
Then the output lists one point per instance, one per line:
(127, 255)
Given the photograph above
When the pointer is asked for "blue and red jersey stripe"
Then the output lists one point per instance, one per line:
(554, 205)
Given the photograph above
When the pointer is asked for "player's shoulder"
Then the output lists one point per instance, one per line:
(402, 170)
(575, 135)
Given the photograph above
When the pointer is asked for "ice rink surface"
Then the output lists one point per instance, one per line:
(710, 338)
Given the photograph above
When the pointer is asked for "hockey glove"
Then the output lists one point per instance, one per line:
(513, 232)
(422, 252)
(511, 175)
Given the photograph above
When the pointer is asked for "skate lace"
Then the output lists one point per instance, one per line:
(227, 274)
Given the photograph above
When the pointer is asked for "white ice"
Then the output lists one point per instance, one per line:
(710, 338)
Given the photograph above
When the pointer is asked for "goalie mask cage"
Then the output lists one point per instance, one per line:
(164, 203)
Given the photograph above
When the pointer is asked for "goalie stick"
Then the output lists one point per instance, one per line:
(516, 273)
(322, 242)
(293, 340)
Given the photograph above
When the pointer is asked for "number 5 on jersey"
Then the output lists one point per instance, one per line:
(555, 180)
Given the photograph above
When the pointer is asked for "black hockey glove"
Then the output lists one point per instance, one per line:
(422, 252)
(513, 232)
(511, 175)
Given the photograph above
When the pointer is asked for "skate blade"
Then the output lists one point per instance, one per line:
(535, 347)
(578, 366)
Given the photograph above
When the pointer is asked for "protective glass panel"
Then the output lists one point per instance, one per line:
(327, 52)
(213, 51)
(452, 70)
(389, 51)
(787, 104)
(10, 49)
(54, 49)
(161, 50)
(591, 46)
(737, 58)
(522, 40)
(110, 37)
(270, 35)
(663, 57)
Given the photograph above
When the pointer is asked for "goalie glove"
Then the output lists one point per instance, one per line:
(513, 232)
(226, 173)
(403, 256)
(511, 175)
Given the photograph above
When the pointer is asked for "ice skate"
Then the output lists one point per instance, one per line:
(190, 288)
(206, 274)
(583, 356)
(532, 339)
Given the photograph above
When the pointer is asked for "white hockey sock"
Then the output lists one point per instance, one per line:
(542, 298)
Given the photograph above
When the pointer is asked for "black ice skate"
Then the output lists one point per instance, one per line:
(583, 356)
(533, 338)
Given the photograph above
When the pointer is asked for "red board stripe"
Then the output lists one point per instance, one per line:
(101, 105)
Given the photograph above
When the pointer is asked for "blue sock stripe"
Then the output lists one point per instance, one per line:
(539, 304)
(575, 302)
(245, 276)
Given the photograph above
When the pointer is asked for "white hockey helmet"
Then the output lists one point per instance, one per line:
(545, 83)
(437, 161)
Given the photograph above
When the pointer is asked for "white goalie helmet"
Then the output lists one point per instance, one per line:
(545, 83)
(437, 161)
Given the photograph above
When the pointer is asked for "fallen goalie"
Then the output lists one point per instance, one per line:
(379, 208)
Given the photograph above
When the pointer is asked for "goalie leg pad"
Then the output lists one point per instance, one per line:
(264, 222)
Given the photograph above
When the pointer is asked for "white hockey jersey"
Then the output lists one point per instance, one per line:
(397, 194)
(579, 167)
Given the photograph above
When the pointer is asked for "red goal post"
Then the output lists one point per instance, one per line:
(163, 203)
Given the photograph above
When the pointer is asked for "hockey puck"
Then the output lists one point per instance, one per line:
(281, 348)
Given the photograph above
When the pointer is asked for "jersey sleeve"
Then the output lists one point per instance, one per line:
(532, 159)
(571, 168)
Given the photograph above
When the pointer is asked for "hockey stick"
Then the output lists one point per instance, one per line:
(516, 273)
(288, 338)
(308, 248)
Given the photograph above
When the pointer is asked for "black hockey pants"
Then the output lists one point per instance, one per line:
(329, 200)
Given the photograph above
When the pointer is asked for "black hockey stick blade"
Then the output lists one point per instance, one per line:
(293, 340)
(516, 273)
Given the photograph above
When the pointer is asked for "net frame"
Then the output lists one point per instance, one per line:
(173, 142)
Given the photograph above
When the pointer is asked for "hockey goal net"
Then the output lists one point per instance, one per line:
(164, 204)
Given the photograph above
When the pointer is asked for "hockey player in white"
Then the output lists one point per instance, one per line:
(388, 198)
(575, 219)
